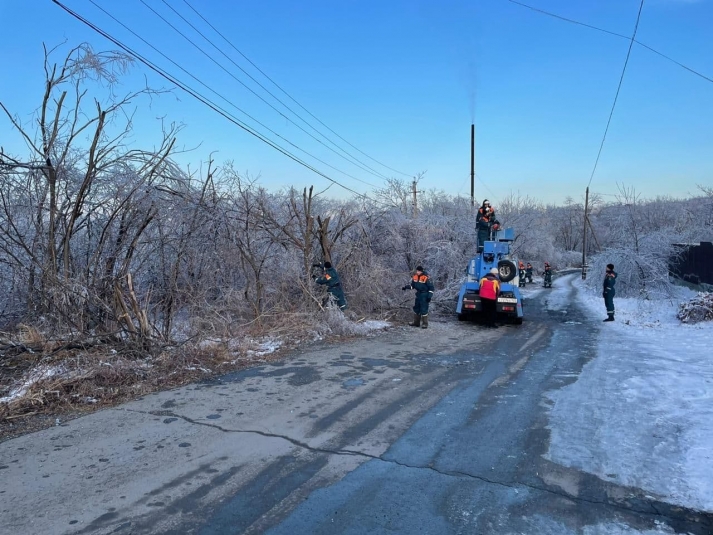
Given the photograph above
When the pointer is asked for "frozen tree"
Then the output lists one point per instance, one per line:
(74, 216)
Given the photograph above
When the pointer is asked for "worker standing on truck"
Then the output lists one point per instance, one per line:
(489, 292)
(330, 278)
(609, 291)
(420, 282)
(483, 222)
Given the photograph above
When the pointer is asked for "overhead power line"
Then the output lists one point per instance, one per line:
(572, 21)
(351, 159)
(287, 94)
(207, 102)
(224, 98)
(618, 88)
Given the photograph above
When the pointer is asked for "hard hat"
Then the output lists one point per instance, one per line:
(494, 271)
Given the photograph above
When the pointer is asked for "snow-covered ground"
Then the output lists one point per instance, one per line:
(641, 413)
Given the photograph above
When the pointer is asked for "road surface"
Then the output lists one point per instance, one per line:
(432, 431)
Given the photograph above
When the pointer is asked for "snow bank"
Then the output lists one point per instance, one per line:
(641, 413)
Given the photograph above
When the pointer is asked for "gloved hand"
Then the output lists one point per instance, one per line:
(428, 299)
(407, 287)
(314, 277)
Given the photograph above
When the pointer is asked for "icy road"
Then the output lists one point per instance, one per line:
(455, 429)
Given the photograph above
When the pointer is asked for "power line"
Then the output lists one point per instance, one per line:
(222, 97)
(616, 96)
(572, 21)
(353, 160)
(288, 95)
(263, 87)
(206, 101)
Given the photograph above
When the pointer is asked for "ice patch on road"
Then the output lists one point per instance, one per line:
(641, 412)
(559, 297)
(622, 529)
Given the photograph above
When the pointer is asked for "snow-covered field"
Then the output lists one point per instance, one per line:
(641, 413)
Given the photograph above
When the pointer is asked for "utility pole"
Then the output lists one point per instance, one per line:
(415, 200)
(584, 238)
(472, 165)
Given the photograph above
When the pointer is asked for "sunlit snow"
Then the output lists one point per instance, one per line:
(641, 413)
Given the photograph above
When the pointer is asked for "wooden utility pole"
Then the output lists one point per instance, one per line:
(584, 238)
(472, 165)
(415, 200)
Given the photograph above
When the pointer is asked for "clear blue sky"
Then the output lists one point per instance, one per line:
(403, 80)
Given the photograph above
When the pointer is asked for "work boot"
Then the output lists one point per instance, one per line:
(610, 317)
(424, 324)
(416, 320)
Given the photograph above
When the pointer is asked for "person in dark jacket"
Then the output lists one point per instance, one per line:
(609, 291)
(521, 273)
(330, 278)
(528, 272)
(420, 282)
(489, 292)
(547, 276)
(484, 222)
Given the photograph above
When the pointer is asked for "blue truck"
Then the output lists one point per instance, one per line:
(495, 253)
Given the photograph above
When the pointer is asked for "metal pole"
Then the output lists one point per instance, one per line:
(415, 201)
(584, 238)
(472, 165)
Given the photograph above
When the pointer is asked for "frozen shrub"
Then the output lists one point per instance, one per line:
(698, 309)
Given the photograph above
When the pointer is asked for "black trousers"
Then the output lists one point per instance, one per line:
(489, 313)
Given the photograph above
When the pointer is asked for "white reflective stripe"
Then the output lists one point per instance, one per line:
(507, 300)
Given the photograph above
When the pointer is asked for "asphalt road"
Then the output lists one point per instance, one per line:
(434, 431)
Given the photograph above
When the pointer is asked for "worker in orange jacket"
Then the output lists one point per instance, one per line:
(489, 292)
(422, 283)
(484, 220)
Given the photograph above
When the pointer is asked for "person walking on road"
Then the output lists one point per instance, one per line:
(489, 292)
(420, 282)
(330, 278)
(609, 291)
(547, 276)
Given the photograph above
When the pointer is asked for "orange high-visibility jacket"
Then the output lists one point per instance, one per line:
(489, 287)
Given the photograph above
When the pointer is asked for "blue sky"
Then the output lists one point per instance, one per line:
(402, 81)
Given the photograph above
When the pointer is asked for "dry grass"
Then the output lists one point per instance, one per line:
(67, 379)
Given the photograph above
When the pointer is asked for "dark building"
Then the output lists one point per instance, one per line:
(693, 263)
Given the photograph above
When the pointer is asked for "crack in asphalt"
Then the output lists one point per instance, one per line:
(454, 473)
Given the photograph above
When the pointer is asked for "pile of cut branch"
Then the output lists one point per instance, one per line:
(698, 309)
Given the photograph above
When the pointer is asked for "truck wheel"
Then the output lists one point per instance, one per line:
(507, 270)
